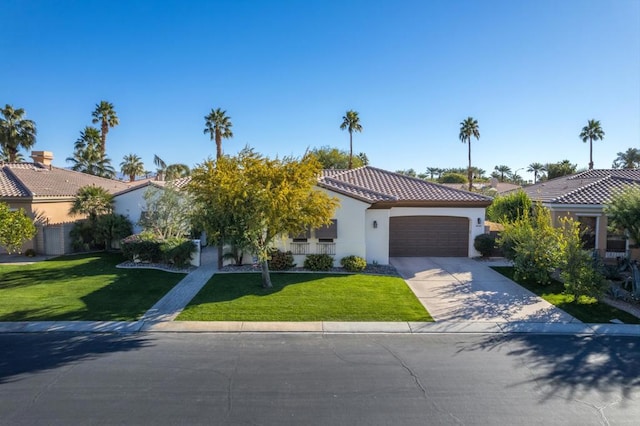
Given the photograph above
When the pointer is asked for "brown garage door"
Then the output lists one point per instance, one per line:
(441, 236)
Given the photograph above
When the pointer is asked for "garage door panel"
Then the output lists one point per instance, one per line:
(443, 236)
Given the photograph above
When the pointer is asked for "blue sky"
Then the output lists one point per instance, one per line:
(531, 72)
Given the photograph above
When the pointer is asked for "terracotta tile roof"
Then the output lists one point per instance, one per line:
(592, 187)
(40, 181)
(374, 185)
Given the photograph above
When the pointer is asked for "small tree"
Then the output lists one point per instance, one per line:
(531, 242)
(578, 273)
(168, 213)
(15, 228)
(624, 212)
(92, 201)
(260, 199)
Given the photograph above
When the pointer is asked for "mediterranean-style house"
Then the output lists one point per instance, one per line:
(583, 196)
(46, 194)
(384, 214)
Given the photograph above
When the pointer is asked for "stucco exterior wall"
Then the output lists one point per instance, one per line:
(575, 212)
(377, 238)
(474, 214)
(131, 204)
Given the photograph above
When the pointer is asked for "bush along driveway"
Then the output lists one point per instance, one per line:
(85, 287)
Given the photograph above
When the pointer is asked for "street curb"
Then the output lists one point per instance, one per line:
(320, 327)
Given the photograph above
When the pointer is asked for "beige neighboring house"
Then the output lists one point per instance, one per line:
(46, 194)
(583, 196)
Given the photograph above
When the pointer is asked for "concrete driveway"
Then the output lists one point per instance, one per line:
(462, 289)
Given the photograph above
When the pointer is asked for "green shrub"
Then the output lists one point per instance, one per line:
(141, 248)
(353, 263)
(111, 227)
(318, 262)
(485, 244)
(177, 251)
(30, 252)
(83, 236)
(452, 178)
(509, 207)
(280, 261)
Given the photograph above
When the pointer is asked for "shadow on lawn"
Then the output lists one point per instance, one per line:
(227, 287)
(125, 295)
(571, 367)
(30, 353)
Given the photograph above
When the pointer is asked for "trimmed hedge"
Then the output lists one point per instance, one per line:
(485, 244)
(353, 263)
(176, 251)
(318, 262)
(280, 261)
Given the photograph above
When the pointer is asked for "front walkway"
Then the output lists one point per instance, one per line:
(461, 289)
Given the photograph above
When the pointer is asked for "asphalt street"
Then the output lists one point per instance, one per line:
(316, 379)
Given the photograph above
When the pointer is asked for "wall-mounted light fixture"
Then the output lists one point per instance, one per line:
(478, 221)
(375, 224)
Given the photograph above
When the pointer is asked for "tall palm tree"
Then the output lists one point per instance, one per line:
(87, 157)
(630, 159)
(15, 131)
(4, 157)
(351, 122)
(591, 132)
(132, 166)
(469, 128)
(536, 169)
(106, 116)
(218, 125)
(432, 171)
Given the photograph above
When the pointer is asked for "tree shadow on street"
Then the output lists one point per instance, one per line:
(571, 366)
(31, 353)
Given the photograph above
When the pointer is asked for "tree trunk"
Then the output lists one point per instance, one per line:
(266, 278)
(470, 173)
(350, 149)
(590, 154)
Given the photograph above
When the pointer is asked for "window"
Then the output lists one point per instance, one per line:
(328, 232)
(588, 226)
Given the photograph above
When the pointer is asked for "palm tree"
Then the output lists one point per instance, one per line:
(630, 159)
(432, 171)
(4, 157)
(469, 128)
(218, 125)
(591, 132)
(106, 116)
(351, 122)
(171, 171)
(92, 201)
(132, 166)
(87, 157)
(15, 131)
(536, 169)
(502, 169)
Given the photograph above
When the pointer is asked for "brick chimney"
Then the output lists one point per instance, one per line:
(43, 157)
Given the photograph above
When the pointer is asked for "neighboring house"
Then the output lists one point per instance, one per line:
(583, 196)
(384, 214)
(493, 187)
(46, 194)
(130, 202)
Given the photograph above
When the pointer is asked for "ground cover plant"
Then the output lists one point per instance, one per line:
(588, 310)
(80, 287)
(305, 297)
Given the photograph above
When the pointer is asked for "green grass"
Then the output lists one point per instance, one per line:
(588, 310)
(305, 297)
(81, 287)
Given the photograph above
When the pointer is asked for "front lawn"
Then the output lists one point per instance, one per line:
(80, 287)
(305, 297)
(589, 310)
